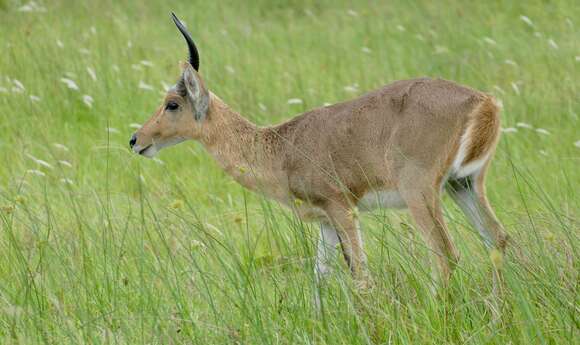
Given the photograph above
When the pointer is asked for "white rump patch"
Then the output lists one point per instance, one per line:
(459, 170)
(470, 168)
(462, 152)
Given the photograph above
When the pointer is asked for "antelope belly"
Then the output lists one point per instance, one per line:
(381, 199)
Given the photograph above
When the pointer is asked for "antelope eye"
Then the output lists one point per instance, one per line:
(171, 106)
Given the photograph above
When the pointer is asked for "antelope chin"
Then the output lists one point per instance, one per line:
(148, 151)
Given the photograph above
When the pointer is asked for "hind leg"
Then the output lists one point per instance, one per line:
(425, 206)
(470, 195)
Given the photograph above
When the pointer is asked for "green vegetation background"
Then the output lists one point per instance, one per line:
(100, 246)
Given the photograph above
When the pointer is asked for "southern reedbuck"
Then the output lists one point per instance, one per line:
(399, 146)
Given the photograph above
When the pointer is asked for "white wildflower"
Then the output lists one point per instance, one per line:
(326, 104)
(88, 100)
(144, 86)
(84, 51)
(295, 101)
(489, 41)
(135, 125)
(35, 172)
(195, 244)
(516, 88)
(366, 50)
(165, 86)
(67, 181)
(65, 163)
(26, 8)
(543, 152)
(18, 84)
(59, 44)
(351, 88)
(509, 130)
(524, 125)
(262, 107)
(401, 28)
(543, 131)
(230, 69)
(70, 83)
(39, 161)
(43, 163)
(113, 130)
(32, 6)
(60, 146)
(552, 43)
(526, 20)
(352, 13)
(577, 144)
(92, 73)
(34, 98)
(510, 62)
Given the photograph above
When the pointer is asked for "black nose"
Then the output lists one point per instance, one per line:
(133, 140)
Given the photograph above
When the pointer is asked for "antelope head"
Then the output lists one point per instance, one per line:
(183, 111)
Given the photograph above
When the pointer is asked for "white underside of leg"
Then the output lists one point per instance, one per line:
(325, 257)
(468, 202)
(326, 251)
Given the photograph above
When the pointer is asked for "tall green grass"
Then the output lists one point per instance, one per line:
(108, 247)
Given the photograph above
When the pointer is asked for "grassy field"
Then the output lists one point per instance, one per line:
(100, 246)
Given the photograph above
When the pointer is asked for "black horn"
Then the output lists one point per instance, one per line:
(193, 54)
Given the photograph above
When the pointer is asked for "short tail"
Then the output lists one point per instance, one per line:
(479, 139)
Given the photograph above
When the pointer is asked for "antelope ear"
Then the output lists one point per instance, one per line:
(191, 86)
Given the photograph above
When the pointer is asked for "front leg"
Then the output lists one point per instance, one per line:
(325, 256)
(346, 223)
(326, 251)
